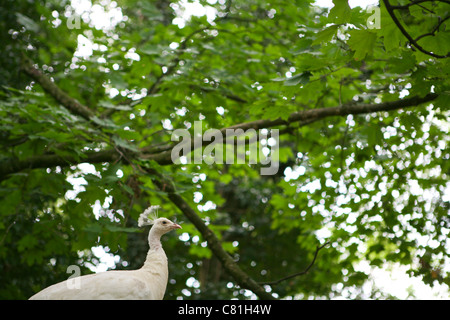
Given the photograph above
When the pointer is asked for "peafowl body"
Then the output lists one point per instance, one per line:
(147, 283)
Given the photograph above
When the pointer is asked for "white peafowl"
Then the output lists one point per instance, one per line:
(149, 282)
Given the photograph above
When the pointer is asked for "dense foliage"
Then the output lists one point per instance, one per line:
(88, 110)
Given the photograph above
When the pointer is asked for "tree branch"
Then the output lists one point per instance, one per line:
(162, 155)
(51, 88)
(14, 165)
(309, 116)
(241, 278)
(271, 283)
(390, 10)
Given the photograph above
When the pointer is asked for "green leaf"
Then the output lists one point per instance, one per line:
(118, 81)
(438, 44)
(93, 228)
(341, 12)
(229, 247)
(402, 64)
(362, 42)
(104, 122)
(27, 242)
(275, 112)
(443, 100)
(150, 49)
(124, 144)
(117, 228)
(200, 252)
(326, 34)
(301, 78)
(109, 105)
(28, 23)
(389, 31)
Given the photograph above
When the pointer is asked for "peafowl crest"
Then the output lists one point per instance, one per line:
(149, 216)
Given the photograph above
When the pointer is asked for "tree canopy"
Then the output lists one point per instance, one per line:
(359, 98)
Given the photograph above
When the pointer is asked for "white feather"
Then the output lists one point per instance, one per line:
(148, 282)
(149, 216)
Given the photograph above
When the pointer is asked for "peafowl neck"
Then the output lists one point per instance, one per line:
(156, 257)
(154, 239)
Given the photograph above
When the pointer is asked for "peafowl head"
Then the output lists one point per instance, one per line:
(164, 225)
(159, 225)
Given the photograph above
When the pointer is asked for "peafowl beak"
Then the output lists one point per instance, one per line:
(176, 226)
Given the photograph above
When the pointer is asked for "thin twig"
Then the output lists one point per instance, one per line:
(271, 283)
(417, 2)
(390, 10)
(441, 21)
